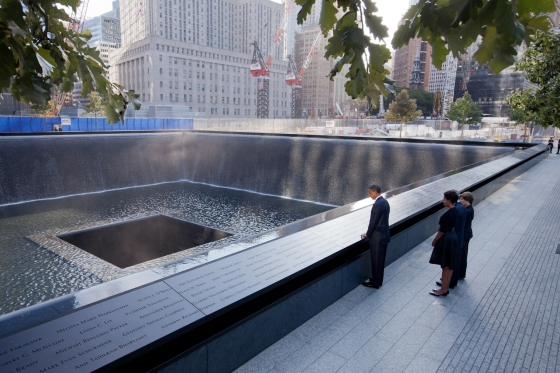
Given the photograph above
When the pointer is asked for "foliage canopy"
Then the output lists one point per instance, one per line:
(541, 65)
(403, 109)
(96, 105)
(43, 109)
(39, 52)
(424, 100)
(448, 25)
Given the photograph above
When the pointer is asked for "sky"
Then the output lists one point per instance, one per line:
(390, 10)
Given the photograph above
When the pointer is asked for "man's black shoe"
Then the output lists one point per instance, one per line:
(369, 283)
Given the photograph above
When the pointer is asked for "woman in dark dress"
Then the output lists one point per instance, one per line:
(466, 200)
(446, 246)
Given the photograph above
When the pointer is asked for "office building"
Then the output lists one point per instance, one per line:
(403, 64)
(105, 37)
(317, 88)
(197, 54)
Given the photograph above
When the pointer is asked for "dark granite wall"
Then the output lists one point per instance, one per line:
(323, 170)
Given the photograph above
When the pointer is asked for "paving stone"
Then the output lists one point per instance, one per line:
(503, 318)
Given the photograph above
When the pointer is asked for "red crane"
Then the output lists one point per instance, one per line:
(260, 67)
(294, 80)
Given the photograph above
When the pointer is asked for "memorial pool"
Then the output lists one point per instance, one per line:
(84, 167)
(30, 274)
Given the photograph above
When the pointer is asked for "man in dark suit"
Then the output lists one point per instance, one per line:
(378, 235)
(460, 232)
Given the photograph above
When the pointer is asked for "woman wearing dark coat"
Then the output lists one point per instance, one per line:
(446, 247)
(466, 200)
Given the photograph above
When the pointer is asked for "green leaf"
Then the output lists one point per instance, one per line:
(327, 18)
(7, 64)
(347, 20)
(376, 27)
(335, 48)
(355, 38)
(111, 114)
(339, 65)
(305, 9)
(540, 23)
(45, 55)
(439, 53)
(378, 56)
(535, 6)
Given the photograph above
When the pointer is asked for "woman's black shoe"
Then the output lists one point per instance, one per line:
(439, 295)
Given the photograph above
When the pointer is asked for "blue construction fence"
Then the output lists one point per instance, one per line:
(38, 124)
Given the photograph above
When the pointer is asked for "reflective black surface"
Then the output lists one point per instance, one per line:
(139, 240)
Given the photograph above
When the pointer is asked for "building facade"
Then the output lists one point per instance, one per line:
(443, 81)
(197, 54)
(105, 37)
(403, 63)
(317, 88)
(488, 89)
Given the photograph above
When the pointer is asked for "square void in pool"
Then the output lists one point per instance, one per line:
(136, 241)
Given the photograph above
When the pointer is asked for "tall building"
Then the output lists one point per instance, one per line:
(198, 53)
(485, 87)
(317, 88)
(105, 37)
(443, 81)
(403, 63)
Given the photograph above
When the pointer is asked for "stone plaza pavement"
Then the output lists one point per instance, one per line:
(502, 318)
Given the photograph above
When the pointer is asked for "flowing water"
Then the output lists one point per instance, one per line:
(30, 274)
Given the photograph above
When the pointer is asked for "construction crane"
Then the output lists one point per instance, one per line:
(262, 74)
(260, 67)
(294, 80)
(77, 25)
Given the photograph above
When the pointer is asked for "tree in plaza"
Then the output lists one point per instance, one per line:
(424, 100)
(519, 112)
(541, 65)
(403, 109)
(38, 52)
(465, 111)
(95, 106)
(45, 108)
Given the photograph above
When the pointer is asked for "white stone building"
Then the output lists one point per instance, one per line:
(197, 54)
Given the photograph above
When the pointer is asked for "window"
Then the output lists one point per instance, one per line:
(161, 84)
(190, 86)
(176, 85)
(170, 84)
(160, 58)
(171, 97)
